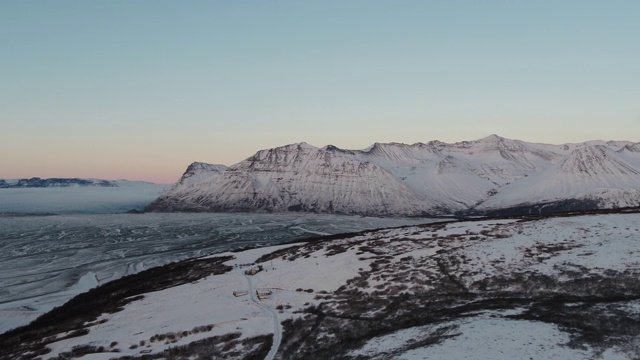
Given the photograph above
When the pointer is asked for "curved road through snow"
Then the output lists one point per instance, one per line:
(277, 331)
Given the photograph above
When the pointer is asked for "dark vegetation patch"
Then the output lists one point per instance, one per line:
(335, 327)
(316, 243)
(228, 346)
(593, 322)
(108, 298)
(80, 350)
(173, 337)
(570, 207)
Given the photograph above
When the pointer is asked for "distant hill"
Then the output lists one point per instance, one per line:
(36, 182)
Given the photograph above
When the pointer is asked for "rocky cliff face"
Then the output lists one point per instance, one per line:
(411, 180)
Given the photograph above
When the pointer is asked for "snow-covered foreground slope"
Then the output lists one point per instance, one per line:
(121, 196)
(560, 287)
(394, 179)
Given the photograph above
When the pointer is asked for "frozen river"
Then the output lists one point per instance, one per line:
(46, 260)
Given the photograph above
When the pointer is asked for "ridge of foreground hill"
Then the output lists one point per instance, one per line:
(486, 176)
(543, 287)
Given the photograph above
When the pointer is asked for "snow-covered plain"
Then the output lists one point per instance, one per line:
(46, 260)
(553, 288)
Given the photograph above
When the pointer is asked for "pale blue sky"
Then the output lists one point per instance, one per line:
(139, 89)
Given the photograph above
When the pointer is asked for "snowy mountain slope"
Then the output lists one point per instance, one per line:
(458, 176)
(424, 178)
(546, 288)
(589, 172)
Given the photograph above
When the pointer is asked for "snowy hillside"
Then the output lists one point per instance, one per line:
(434, 178)
(543, 288)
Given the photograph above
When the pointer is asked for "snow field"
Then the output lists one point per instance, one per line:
(318, 272)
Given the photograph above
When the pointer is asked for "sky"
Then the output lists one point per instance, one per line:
(140, 89)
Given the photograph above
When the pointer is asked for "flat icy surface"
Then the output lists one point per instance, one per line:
(46, 260)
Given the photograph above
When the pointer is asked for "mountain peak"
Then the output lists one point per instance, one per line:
(199, 171)
(491, 138)
(335, 149)
(389, 145)
(304, 144)
(197, 165)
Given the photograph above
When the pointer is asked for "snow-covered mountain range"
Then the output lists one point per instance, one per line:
(489, 175)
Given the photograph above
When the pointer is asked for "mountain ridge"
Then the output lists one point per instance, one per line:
(433, 178)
